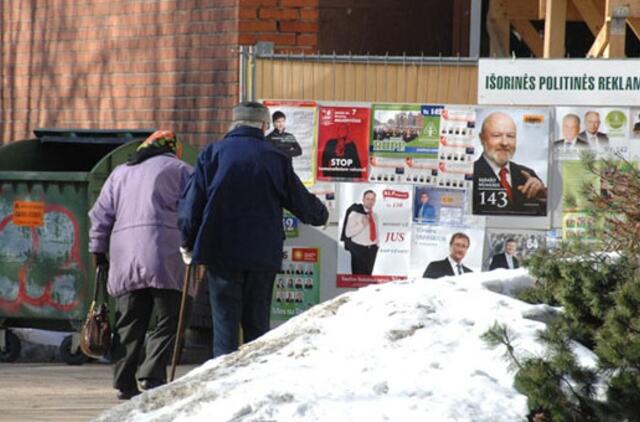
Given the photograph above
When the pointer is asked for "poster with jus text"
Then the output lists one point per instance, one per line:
(343, 144)
(374, 233)
(297, 285)
(292, 131)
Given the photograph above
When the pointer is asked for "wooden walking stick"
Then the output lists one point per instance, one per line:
(177, 347)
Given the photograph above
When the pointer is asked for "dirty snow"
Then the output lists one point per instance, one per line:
(401, 351)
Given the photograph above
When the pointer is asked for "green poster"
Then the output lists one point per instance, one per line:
(405, 130)
(297, 285)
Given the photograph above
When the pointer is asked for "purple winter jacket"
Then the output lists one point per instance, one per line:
(134, 219)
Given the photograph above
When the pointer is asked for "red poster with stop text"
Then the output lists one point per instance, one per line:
(343, 144)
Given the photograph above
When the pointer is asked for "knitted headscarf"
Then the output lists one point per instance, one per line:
(160, 142)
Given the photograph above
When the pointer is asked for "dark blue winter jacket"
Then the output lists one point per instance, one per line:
(230, 213)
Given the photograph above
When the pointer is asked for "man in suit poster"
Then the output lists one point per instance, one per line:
(375, 233)
(507, 259)
(500, 185)
(597, 140)
(437, 243)
(452, 264)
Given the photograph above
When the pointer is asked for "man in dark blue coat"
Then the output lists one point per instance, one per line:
(231, 221)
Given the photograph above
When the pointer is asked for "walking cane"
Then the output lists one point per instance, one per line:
(183, 304)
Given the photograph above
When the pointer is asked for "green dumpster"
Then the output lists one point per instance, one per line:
(47, 186)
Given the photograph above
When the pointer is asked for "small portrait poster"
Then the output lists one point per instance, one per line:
(444, 207)
(511, 162)
(292, 131)
(431, 246)
(508, 247)
(297, 285)
(374, 233)
(343, 144)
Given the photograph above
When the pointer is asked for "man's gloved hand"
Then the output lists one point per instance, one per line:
(186, 255)
(100, 259)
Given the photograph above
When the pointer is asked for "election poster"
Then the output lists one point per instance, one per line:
(404, 143)
(444, 207)
(326, 193)
(634, 135)
(343, 143)
(297, 285)
(511, 162)
(507, 248)
(605, 131)
(456, 150)
(290, 225)
(292, 131)
(432, 247)
(374, 233)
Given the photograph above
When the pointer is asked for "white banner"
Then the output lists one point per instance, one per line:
(561, 82)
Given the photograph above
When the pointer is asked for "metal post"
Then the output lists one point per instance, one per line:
(242, 57)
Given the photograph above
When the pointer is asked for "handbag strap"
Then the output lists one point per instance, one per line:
(100, 290)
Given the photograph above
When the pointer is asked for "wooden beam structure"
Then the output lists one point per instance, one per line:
(530, 35)
(499, 28)
(591, 13)
(606, 19)
(554, 28)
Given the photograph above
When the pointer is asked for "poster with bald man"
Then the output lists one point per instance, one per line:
(603, 130)
(511, 162)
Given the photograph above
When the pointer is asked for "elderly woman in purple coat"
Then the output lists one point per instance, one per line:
(134, 223)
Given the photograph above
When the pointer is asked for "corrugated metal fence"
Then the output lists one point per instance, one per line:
(358, 78)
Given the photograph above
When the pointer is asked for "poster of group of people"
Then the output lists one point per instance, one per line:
(297, 285)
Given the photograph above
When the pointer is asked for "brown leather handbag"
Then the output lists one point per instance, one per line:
(95, 336)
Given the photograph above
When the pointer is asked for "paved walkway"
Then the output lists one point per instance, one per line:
(57, 392)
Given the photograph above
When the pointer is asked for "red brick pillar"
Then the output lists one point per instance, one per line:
(292, 25)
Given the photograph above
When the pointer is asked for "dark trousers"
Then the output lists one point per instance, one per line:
(240, 298)
(132, 321)
(363, 258)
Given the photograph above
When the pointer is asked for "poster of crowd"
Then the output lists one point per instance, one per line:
(374, 233)
(297, 285)
(292, 131)
(511, 162)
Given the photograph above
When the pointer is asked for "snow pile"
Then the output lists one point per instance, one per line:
(401, 351)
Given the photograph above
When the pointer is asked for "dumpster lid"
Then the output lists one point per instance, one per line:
(91, 136)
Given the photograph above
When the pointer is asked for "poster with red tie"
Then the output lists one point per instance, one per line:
(343, 143)
(374, 233)
(511, 162)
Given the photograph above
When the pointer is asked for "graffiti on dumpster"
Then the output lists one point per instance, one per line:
(41, 265)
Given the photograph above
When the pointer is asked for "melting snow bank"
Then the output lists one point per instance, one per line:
(401, 351)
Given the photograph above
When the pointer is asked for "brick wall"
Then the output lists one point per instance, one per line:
(118, 64)
(292, 25)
